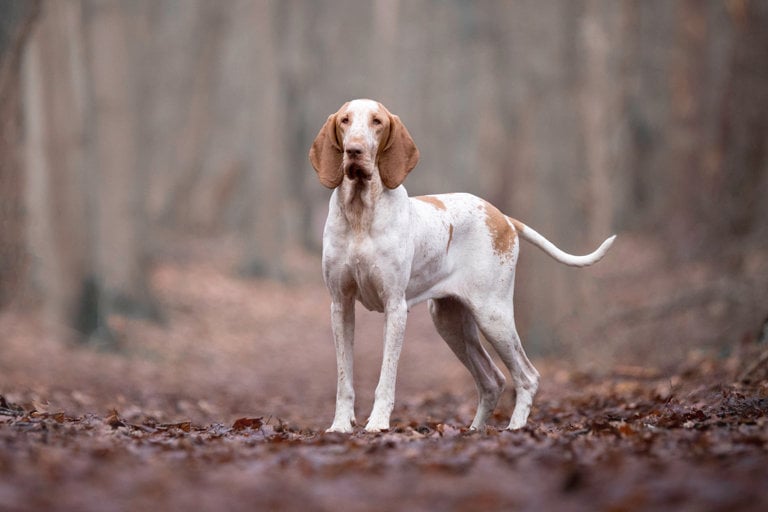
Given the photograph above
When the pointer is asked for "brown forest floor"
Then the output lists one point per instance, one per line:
(223, 406)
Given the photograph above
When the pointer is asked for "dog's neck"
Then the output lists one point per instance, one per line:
(358, 199)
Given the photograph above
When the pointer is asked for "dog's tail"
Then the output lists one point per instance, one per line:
(548, 247)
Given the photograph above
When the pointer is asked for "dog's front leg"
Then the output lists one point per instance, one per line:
(343, 326)
(396, 314)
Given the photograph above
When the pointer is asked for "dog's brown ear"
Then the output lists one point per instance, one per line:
(399, 156)
(325, 154)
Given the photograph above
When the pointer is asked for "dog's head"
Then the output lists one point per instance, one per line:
(363, 141)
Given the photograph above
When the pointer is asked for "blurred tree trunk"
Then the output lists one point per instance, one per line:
(265, 234)
(191, 200)
(58, 208)
(743, 124)
(84, 191)
(117, 184)
(385, 34)
(602, 91)
(17, 20)
(295, 48)
(688, 82)
(179, 49)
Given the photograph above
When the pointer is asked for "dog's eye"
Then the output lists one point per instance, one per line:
(344, 120)
(376, 121)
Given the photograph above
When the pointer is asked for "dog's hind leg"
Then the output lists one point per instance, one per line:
(498, 326)
(455, 324)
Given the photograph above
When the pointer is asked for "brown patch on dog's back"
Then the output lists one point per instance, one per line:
(450, 237)
(502, 234)
(433, 201)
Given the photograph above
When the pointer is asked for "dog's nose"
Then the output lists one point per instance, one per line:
(354, 150)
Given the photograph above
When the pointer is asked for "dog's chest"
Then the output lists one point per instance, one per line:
(369, 278)
(370, 261)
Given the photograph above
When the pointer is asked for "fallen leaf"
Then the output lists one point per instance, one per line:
(113, 420)
(184, 426)
(247, 423)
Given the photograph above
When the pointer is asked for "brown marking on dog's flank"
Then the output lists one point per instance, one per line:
(450, 237)
(433, 201)
(502, 234)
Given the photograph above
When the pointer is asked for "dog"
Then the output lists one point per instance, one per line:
(390, 251)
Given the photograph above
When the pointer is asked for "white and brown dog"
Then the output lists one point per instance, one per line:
(390, 252)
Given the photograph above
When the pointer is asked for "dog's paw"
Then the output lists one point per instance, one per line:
(476, 425)
(342, 429)
(517, 423)
(376, 430)
(376, 426)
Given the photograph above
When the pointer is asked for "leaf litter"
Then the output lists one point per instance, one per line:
(230, 426)
(594, 449)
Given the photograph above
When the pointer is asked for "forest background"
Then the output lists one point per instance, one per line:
(130, 128)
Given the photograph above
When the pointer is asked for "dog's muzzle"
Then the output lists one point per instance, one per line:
(356, 171)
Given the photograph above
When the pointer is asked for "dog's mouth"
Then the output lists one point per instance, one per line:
(358, 172)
